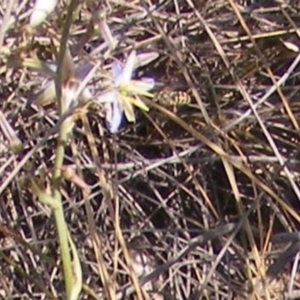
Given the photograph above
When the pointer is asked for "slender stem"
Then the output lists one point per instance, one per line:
(60, 152)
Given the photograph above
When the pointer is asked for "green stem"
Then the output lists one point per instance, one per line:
(59, 217)
(62, 232)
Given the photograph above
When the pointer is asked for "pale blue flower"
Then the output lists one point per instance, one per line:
(125, 93)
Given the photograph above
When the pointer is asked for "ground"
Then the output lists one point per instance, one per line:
(202, 193)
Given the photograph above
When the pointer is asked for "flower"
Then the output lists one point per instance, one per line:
(126, 91)
(74, 89)
(72, 76)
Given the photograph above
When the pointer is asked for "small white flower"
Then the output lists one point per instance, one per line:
(74, 87)
(125, 93)
(72, 77)
(41, 10)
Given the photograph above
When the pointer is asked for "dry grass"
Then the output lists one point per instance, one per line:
(208, 193)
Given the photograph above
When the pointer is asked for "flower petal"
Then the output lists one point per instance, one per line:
(52, 67)
(143, 59)
(114, 116)
(83, 70)
(141, 86)
(116, 68)
(68, 66)
(69, 95)
(46, 96)
(86, 94)
(128, 69)
(41, 10)
(107, 97)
